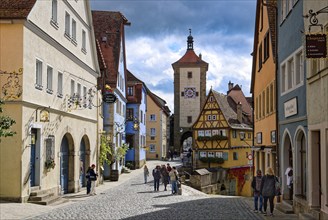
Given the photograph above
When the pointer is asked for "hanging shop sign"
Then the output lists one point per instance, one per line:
(316, 46)
(109, 98)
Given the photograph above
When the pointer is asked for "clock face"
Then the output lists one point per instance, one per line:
(190, 92)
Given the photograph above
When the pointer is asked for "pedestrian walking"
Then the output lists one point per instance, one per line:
(174, 178)
(146, 173)
(268, 190)
(169, 168)
(93, 177)
(88, 180)
(157, 177)
(289, 177)
(165, 176)
(256, 185)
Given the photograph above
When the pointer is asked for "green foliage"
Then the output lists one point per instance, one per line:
(105, 150)
(121, 151)
(5, 124)
(212, 138)
(218, 160)
(50, 164)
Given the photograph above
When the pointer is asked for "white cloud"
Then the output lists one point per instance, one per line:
(150, 60)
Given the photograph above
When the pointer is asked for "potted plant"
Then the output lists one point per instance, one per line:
(50, 164)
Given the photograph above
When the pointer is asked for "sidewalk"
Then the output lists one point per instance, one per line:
(10, 210)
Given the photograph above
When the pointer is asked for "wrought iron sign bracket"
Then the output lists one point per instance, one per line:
(313, 17)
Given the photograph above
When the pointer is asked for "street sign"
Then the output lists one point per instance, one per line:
(109, 98)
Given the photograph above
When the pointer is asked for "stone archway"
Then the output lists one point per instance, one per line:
(84, 158)
(67, 164)
(287, 160)
(301, 164)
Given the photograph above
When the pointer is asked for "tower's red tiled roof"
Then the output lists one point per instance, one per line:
(15, 9)
(190, 57)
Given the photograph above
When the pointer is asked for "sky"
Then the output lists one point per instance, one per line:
(223, 32)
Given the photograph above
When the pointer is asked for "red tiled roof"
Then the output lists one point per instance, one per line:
(109, 25)
(190, 57)
(11, 9)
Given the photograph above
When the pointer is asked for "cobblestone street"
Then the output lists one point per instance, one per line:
(135, 200)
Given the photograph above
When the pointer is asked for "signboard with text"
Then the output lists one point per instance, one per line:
(109, 98)
(316, 46)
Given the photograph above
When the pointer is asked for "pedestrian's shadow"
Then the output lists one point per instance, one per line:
(146, 191)
(162, 196)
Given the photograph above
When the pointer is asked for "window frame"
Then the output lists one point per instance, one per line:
(50, 71)
(38, 74)
(60, 78)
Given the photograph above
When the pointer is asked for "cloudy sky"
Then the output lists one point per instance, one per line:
(222, 30)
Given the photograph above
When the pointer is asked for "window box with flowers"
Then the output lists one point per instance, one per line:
(50, 164)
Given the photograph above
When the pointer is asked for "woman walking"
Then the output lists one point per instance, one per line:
(174, 178)
(268, 190)
(146, 173)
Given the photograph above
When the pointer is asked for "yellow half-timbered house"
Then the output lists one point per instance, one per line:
(222, 139)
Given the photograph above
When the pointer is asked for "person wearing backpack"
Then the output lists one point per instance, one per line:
(268, 190)
(256, 185)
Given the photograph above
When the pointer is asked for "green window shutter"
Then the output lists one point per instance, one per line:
(225, 155)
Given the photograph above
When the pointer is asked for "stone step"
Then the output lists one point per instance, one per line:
(47, 201)
(41, 197)
(306, 216)
(40, 192)
(285, 207)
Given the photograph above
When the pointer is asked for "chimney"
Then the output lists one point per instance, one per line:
(239, 112)
(230, 86)
(200, 56)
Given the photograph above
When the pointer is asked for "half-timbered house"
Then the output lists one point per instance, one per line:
(222, 139)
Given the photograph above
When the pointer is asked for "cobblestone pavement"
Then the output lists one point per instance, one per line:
(135, 200)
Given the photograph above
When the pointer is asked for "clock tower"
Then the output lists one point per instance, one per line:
(189, 94)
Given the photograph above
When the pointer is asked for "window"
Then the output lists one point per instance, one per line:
(211, 99)
(235, 155)
(152, 131)
(129, 112)
(213, 117)
(266, 46)
(141, 116)
(84, 40)
(84, 96)
(299, 73)
(152, 117)
(257, 107)
(67, 24)
(267, 100)
(249, 135)
(152, 148)
(54, 11)
(234, 134)
(219, 154)
(202, 154)
(130, 90)
(225, 155)
(38, 72)
(201, 133)
(79, 90)
(73, 30)
(271, 97)
(189, 119)
(260, 56)
(208, 133)
(263, 103)
(189, 75)
(72, 87)
(292, 72)
(242, 135)
(222, 132)
(60, 85)
(209, 117)
(260, 106)
(210, 154)
(49, 79)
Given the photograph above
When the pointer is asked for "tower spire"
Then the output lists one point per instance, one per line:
(190, 41)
